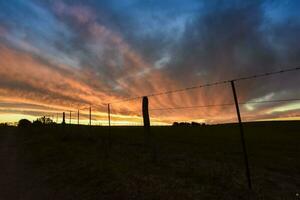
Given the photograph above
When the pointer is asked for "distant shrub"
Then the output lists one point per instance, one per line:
(195, 124)
(184, 124)
(4, 124)
(187, 124)
(43, 120)
(175, 124)
(24, 123)
(37, 123)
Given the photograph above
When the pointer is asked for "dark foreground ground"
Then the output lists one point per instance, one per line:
(191, 163)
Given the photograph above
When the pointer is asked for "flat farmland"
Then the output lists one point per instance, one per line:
(206, 162)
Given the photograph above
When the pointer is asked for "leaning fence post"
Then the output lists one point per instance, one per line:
(78, 116)
(109, 131)
(108, 112)
(242, 135)
(70, 117)
(146, 120)
(90, 115)
(64, 116)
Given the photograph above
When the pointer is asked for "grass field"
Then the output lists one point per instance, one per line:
(80, 162)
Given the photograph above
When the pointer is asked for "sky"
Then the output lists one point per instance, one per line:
(60, 55)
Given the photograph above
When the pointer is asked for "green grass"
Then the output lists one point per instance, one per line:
(192, 162)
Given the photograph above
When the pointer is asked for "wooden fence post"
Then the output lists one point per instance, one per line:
(108, 112)
(242, 135)
(64, 117)
(109, 139)
(70, 121)
(78, 117)
(90, 115)
(149, 141)
(146, 118)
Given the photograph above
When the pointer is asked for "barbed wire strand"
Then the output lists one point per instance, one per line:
(211, 84)
(226, 104)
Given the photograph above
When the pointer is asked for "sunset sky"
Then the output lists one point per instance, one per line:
(60, 55)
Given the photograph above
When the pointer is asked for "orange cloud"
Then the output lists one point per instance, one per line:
(26, 78)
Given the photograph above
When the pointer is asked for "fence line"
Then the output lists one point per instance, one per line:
(147, 121)
(55, 115)
(80, 108)
(232, 82)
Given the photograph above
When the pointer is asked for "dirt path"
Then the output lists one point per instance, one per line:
(8, 165)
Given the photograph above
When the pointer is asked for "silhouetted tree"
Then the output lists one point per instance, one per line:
(44, 120)
(3, 124)
(37, 123)
(196, 124)
(175, 124)
(24, 123)
(187, 124)
(184, 124)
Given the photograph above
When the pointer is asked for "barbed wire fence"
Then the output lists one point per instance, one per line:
(236, 104)
(84, 115)
(139, 111)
